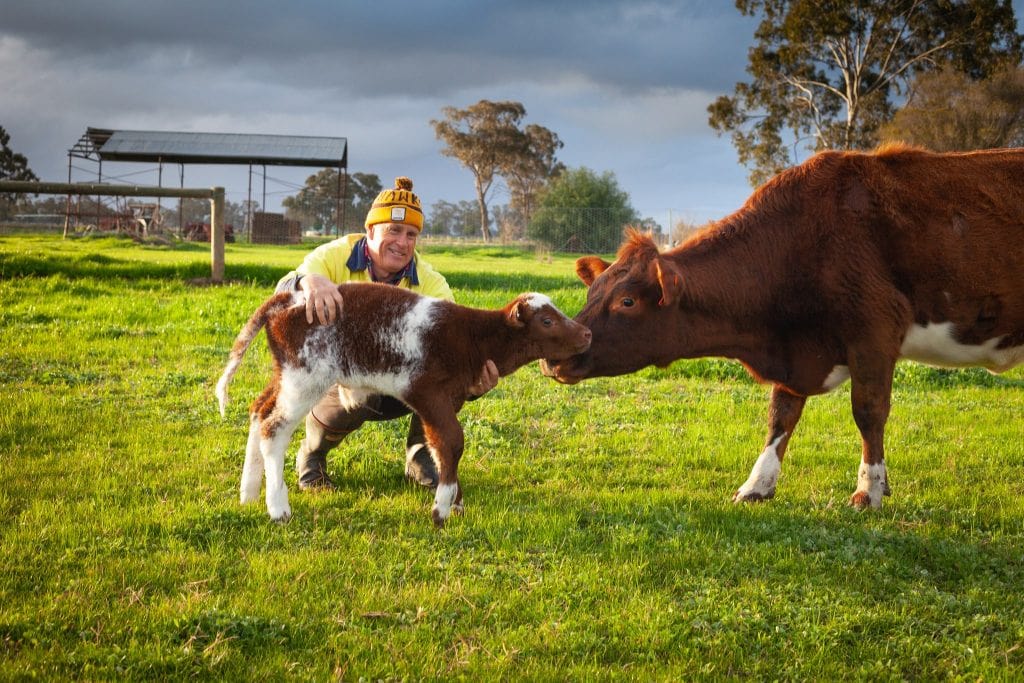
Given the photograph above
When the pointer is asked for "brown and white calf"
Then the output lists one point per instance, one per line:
(425, 352)
(832, 270)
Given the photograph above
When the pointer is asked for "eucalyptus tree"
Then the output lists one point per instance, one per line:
(948, 111)
(829, 74)
(488, 139)
(13, 166)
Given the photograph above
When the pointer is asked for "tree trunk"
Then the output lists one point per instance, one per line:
(484, 218)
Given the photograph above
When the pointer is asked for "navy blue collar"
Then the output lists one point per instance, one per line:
(359, 260)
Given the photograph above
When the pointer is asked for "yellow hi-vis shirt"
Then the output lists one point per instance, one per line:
(331, 260)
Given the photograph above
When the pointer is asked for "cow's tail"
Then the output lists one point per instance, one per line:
(257, 322)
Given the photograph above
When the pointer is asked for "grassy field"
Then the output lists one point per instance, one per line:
(599, 541)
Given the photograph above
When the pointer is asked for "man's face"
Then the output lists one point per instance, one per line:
(391, 245)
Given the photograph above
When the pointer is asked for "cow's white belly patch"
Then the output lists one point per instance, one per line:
(839, 374)
(934, 344)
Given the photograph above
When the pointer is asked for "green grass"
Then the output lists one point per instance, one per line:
(598, 542)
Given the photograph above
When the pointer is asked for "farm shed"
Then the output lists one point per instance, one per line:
(182, 148)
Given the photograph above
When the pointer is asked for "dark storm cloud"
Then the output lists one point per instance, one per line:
(426, 47)
(625, 84)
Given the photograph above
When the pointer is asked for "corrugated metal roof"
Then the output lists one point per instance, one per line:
(218, 148)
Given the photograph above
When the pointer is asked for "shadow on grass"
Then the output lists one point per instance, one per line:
(511, 282)
(101, 267)
(841, 549)
(222, 527)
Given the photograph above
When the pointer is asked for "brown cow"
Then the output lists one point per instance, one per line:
(832, 270)
(425, 352)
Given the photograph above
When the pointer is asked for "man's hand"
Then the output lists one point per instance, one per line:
(487, 381)
(323, 300)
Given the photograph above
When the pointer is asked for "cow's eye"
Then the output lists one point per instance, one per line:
(627, 302)
(546, 322)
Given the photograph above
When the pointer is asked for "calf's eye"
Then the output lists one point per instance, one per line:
(627, 302)
(546, 322)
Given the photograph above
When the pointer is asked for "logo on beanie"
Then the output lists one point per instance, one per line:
(399, 205)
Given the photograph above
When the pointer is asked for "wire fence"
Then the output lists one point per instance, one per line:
(556, 230)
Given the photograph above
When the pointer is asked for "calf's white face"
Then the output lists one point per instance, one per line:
(554, 335)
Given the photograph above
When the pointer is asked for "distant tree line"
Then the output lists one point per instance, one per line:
(13, 166)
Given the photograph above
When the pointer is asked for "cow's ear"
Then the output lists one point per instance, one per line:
(518, 313)
(589, 267)
(670, 280)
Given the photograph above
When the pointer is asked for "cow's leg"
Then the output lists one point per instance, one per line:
(446, 441)
(252, 471)
(871, 397)
(783, 413)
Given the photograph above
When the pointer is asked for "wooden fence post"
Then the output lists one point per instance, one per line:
(214, 194)
(217, 235)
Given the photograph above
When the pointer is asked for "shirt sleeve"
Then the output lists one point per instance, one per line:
(316, 262)
(432, 283)
(323, 261)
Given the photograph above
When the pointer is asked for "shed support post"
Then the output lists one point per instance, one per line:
(217, 235)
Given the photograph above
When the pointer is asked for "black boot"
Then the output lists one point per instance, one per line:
(311, 460)
(420, 467)
(419, 463)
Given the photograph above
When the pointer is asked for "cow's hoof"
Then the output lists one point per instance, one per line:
(752, 496)
(435, 514)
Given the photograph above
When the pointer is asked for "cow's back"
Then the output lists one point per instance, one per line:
(950, 231)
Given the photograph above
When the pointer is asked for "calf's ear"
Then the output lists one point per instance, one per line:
(589, 267)
(518, 313)
(670, 280)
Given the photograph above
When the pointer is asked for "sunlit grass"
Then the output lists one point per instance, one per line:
(598, 541)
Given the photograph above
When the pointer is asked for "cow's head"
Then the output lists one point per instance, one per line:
(547, 332)
(632, 306)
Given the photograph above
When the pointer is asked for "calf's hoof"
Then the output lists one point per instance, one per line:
(435, 514)
(862, 501)
(283, 519)
(281, 516)
(752, 496)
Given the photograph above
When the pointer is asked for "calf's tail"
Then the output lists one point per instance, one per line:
(258, 321)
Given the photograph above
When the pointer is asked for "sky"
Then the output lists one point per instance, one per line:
(624, 84)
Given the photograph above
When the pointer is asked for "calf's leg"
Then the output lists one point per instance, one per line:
(277, 424)
(252, 470)
(784, 412)
(446, 441)
(273, 444)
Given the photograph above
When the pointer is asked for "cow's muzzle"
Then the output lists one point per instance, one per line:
(564, 371)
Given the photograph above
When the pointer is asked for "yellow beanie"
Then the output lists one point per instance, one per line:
(399, 205)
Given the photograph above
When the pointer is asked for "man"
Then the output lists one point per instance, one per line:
(387, 254)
